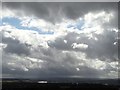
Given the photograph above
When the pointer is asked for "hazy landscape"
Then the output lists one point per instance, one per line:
(61, 83)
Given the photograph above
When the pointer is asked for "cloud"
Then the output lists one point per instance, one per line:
(99, 46)
(39, 24)
(75, 45)
(14, 46)
(18, 66)
(55, 12)
(86, 50)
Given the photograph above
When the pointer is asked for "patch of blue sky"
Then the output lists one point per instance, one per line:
(77, 25)
(16, 23)
(12, 21)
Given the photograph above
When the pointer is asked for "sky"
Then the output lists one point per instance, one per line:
(59, 39)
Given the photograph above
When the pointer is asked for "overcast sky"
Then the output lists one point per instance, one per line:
(59, 39)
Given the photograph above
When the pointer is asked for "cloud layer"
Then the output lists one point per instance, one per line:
(54, 12)
(83, 42)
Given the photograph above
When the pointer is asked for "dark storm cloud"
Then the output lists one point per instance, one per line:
(55, 11)
(14, 46)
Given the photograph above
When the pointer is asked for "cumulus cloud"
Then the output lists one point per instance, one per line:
(75, 45)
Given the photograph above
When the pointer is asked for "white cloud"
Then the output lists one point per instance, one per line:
(23, 63)
(77, 69)
(114, 64)
(81, 46)
(93, 22)
(81, 64)
(65, 41)
(98, 64)
(37, 23)
(2, 45)
(27, 36)
(94, 19)
(11, 63)
(34, 60)
(24, 68)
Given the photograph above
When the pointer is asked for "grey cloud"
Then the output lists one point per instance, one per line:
(55, 11)
(64, 64)
(57, 64)
(52, 69)
(56, 71)
(103, 48)
(61, 45)
(15, 46)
